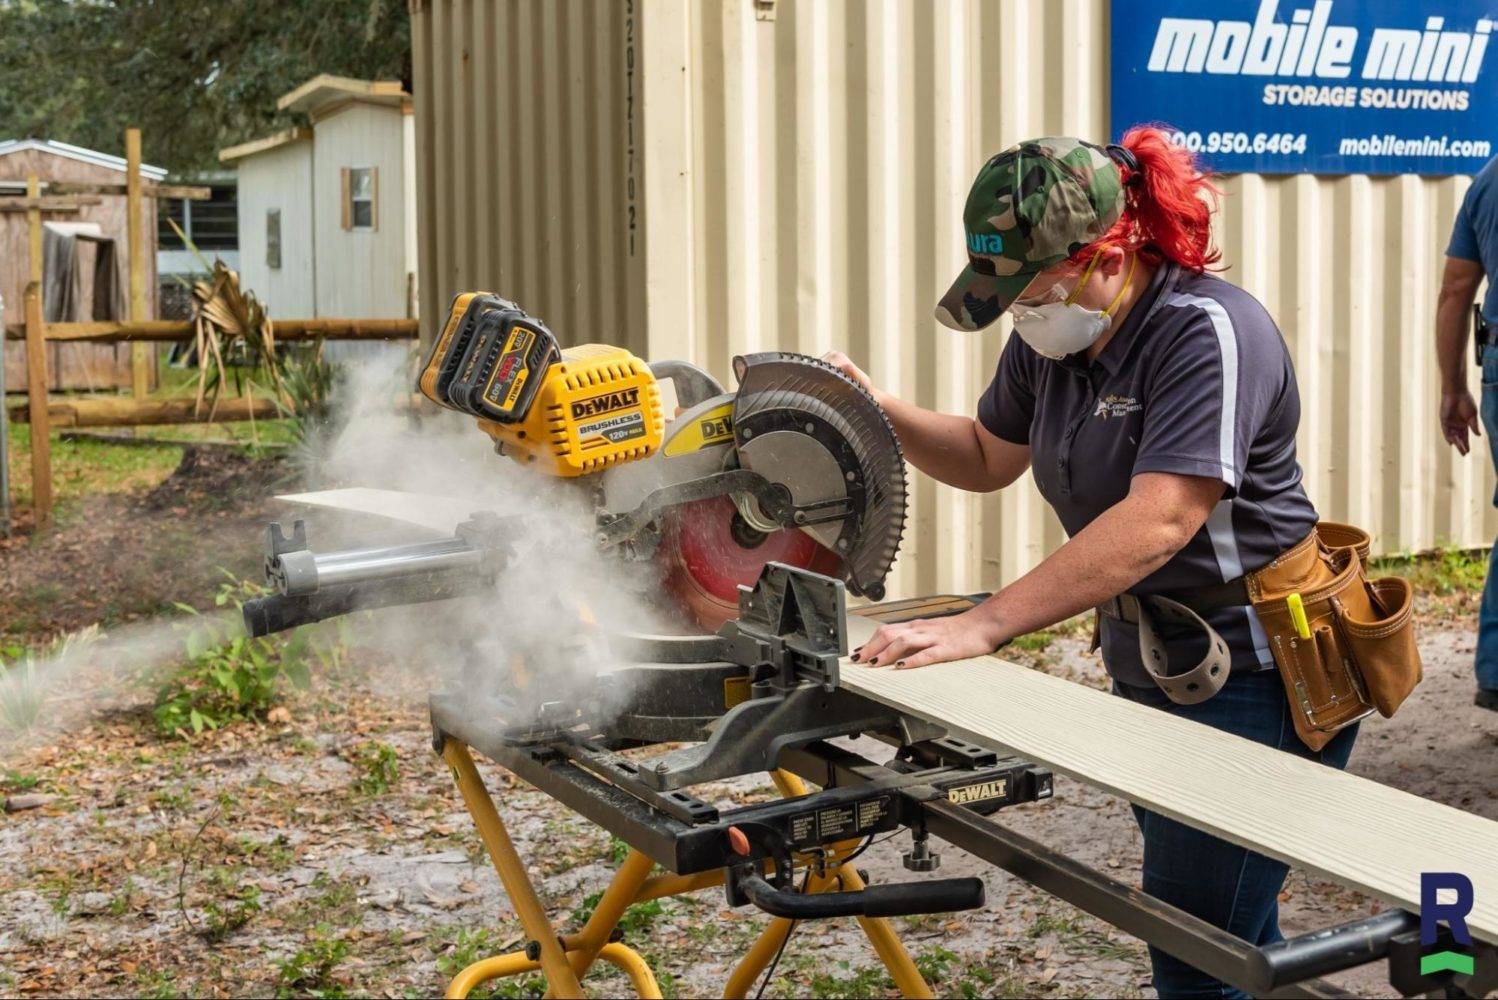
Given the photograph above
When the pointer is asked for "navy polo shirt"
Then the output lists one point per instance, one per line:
(1474, 234)
(1197, 381)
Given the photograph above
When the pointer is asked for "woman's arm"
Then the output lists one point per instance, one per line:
(1126, 543)
(958, 451)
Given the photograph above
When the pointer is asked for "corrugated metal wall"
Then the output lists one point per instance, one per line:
(524, 159)
(804, 165)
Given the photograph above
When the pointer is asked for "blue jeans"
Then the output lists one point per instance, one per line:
(1226, 885)
(1487, 618)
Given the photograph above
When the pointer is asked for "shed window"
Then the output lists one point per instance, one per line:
(273, 239)
(360, 186)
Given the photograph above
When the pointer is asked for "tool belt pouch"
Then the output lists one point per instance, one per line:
(1361, 654)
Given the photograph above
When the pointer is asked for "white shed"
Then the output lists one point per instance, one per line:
(275, 220)
(327, 212)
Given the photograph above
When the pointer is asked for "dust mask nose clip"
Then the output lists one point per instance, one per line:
(1061, 327)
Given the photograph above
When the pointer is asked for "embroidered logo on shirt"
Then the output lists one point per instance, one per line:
(1116, 406)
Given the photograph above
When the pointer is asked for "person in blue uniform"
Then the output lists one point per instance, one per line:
(1156, 406)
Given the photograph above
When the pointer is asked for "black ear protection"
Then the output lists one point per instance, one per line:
(1126, 159)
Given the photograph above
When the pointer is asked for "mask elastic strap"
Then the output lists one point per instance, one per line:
(1082, 282)
(1129, 280)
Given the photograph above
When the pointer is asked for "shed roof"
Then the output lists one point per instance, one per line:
(79, 153)
(264, 145)
(325, 89)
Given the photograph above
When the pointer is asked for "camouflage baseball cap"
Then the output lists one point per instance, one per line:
(1032, 207)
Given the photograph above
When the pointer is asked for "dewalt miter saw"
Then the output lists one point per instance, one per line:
(799, 466)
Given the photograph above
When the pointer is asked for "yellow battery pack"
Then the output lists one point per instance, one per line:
(598, 406)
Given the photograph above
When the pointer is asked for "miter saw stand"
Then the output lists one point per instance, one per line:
(763, 695)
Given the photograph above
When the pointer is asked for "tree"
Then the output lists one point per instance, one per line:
(195, 76)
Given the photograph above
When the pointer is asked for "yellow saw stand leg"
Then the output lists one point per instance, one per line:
(563, 961)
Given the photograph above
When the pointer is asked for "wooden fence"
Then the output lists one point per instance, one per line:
(125, 411)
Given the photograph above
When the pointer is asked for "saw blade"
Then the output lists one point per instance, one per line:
(804, 425)
(708, 551)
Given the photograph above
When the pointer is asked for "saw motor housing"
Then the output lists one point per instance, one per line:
(567, 412)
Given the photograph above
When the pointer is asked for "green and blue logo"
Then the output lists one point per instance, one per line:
(1433, 912)
(985, 243)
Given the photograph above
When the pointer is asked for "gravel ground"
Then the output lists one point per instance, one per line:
(265, 858)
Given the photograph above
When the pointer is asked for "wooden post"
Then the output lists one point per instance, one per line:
(36, 399)
(34, 229)
(140, 354)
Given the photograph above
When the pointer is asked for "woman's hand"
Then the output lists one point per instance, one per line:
(925, 641)
(844, 364)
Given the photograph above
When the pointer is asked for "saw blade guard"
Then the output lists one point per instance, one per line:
(801, 423)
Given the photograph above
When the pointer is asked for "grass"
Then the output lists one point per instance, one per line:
(23, 687)
(1446, 571)
(636, 920)
(309, 972)
(379, 768)
(84, 468)
(466, 945)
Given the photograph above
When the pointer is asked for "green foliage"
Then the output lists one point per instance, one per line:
(310, 381)
(1064, 925)
(1446, 571)
(872, 981)
(196, 77)
(637, 918)
(228, 676)
(224, 917)
(618, 849)
(310, 971)
(379, 768)
(935, 964)
(474, 944)
(1035, 642)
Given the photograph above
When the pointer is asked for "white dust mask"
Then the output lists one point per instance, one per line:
(1061, 326)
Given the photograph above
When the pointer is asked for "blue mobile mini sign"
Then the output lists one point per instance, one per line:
(1318, 86)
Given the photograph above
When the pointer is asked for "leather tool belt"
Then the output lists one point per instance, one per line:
(1344, 644)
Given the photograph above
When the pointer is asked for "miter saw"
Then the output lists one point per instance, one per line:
(798, 466)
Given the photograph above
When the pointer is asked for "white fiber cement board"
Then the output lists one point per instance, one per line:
(1347, 828)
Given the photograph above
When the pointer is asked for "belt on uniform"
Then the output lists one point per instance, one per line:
(1208, 675)
(1202, 600)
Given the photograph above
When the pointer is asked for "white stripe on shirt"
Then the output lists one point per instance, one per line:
(1227, 346)
(1230, 563)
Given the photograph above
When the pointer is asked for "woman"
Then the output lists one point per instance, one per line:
(1157, 407)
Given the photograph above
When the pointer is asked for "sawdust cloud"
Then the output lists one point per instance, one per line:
(554, 582)
(532, 617)
(86, 672)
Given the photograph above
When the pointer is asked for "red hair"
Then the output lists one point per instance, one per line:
(1168, 204)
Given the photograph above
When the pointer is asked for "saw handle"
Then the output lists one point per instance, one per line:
(900, 899)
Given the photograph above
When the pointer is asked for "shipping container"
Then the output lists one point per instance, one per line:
(700, 178)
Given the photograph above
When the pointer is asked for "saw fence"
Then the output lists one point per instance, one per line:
(138, 330)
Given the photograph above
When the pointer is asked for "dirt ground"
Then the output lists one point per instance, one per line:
(326, 852)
